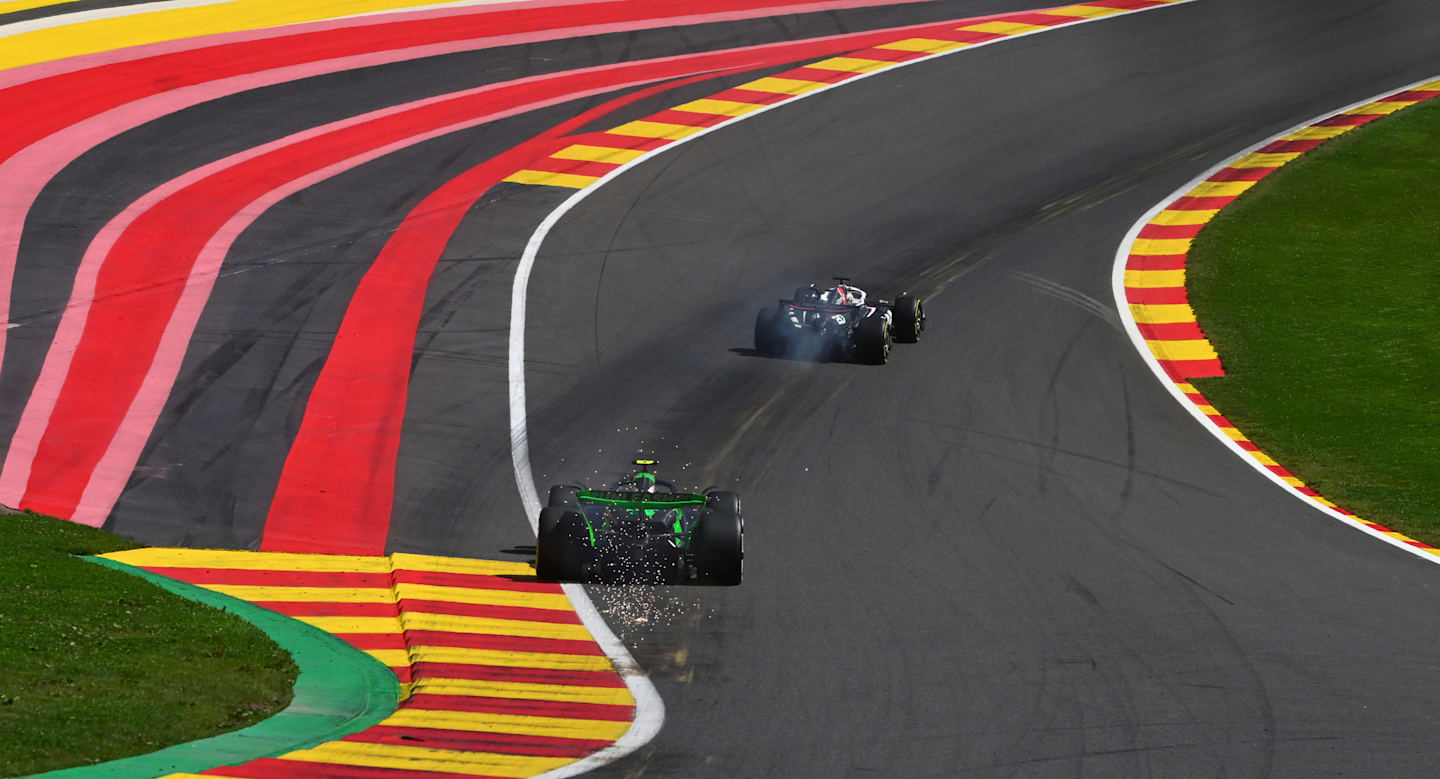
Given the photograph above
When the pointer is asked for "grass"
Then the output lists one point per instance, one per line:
(1320, 288)
(99, 665)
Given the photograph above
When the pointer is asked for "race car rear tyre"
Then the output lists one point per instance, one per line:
(872, 341)
(909, 315)
(767, 341)
(717, 546)
(564, 496)
(560, 545)
(723, 501)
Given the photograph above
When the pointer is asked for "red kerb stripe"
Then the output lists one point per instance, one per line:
(1170, 231)
(277, 768)
(520, 706)
(274, 578)
(1156, 295)
(473, 741)
(1156, 262)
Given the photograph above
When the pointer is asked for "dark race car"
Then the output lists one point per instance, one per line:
(838, 323)
(643, 531)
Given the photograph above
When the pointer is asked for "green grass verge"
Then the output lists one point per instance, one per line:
(1320, 288)
(99, 664)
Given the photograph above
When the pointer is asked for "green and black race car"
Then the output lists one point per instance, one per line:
(638, 533)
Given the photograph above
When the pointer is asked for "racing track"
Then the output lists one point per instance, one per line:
(1006, 553)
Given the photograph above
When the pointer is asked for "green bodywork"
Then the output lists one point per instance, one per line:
(647, 502)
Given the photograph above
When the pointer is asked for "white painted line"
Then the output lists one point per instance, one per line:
(1117, 284)
(649, 709)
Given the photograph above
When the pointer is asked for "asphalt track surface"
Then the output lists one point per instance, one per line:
(1006, 553)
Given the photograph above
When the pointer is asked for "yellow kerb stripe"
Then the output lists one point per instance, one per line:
(720, 107)
(1292, 481)
(1263, 459)
(436, 564)
(1264, 160)
(782, 86)
(1162, 313)
(1219, 188)
(449, 624)
(1207, 410)
(925, 45)
(250, 561)
(492, 626)
(1317, 133)
(1234, 434)
(1381, 107)
(174, 23)
(1186, 387)
(1002, 28)
(643, 129)
(552, 661)
(851, 64)
(1154, 246)
(1198, 349)
(1155, 278)
(548, 179)
(581, 151)
(395, 658)
(613, 696)
(359, 753)
(535, 600)
(1429, 86)
(1085, 11)
(260, 594)
(1199, 217)
(517, 724)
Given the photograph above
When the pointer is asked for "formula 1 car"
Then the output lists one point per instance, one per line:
(642, 531)
(838, 323)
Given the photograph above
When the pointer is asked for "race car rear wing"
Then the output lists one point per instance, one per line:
(640, 500)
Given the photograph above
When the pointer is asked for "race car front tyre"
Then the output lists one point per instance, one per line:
(872, 341)
(767, 340)
(717, 547)
(909, 315)
(560, 545)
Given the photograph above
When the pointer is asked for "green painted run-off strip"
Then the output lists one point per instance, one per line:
(340, 690)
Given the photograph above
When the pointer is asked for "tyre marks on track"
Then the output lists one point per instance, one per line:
(499, 677)
(1149, 283)
(63, 109)
(592, 156)
(113, 362)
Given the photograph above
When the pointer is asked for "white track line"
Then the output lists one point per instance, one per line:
(649, 709)
(1117, 283)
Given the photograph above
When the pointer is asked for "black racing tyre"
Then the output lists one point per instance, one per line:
(564, 495)
(909, 318)
(717, 547)
(723, 501)
(872, 340)
(767, 340)
(561, 545)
